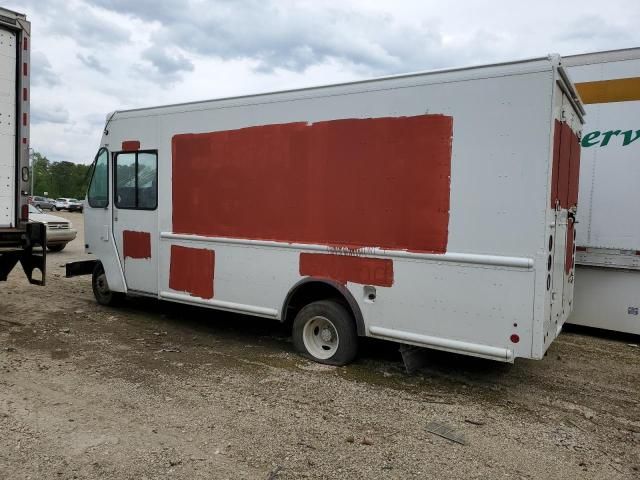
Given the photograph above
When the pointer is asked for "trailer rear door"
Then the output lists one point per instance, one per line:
(8, 127)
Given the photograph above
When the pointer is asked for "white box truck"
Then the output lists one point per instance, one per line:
(431, 209)
(608, 243)
(20, 240)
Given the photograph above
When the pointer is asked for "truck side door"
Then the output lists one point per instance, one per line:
(135, 217)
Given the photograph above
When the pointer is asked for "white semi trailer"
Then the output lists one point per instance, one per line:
(20, 241)
(607, 289)
(432, 209)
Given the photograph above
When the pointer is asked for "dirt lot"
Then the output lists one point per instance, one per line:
(154, 390)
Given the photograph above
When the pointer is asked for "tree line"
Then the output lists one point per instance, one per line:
(59, 179)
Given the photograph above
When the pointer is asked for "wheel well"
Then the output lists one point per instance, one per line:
(310, 290)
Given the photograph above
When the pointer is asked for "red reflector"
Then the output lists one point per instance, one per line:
(581, 249)
(24, 140)
(25, 212)
(515, 338)
(24, 69)
(25, 45)
(130, 145)
(25, 97)
(24, 119)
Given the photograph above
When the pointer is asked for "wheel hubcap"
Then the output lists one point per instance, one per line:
(320, 337)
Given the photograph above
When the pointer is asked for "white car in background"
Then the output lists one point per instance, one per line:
(60, 231)
(70, 204)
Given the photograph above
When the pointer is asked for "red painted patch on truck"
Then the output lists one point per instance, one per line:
(574, 169)
(191, 270)
(565, 167)
(376, 182)
(130, 146)
(346, 268)
(136, 244)
(569, 258)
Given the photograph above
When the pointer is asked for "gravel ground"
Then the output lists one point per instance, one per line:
(156, 390)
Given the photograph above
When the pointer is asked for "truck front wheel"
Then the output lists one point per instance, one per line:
(325, 331)
(101, 290)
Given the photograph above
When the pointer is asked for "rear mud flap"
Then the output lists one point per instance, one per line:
(414, 358)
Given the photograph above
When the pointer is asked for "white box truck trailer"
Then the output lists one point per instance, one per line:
(608, 253)
(432, 209)
(18, 237)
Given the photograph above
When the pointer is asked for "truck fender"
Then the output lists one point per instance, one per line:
(340, 289)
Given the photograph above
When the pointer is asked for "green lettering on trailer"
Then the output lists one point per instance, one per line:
(629, 137)
(603, 139)
(607, 136)
(589, 140)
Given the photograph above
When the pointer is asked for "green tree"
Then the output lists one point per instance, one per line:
(59, 179)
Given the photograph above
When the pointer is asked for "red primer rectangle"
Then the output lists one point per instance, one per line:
(556, 163)
(376, 182)
(25, 69)
(130, 146)
(568, 259)
(136, 244)
(566, 166)
(25, 44)
(191, 270)
(563, 172)
(25, 95)
(574, 169)
(348, 268)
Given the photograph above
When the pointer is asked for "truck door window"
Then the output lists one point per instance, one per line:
(98, 188)
(136, 179)
(147, 184)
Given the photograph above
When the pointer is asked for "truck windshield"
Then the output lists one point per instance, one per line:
(99, 187)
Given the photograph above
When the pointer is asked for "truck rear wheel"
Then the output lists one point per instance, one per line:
(325, 331)
(100, 286)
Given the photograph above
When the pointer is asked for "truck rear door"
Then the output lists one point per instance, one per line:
(566, 166)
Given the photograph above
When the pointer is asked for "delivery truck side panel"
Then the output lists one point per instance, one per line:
(18, 237)
(608, 239)
(424, 201)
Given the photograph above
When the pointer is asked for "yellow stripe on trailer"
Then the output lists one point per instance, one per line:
(609, 91)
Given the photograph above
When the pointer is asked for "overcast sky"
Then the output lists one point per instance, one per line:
(93, 57)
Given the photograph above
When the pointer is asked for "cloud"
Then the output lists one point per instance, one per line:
(96, 56)
(593, 30)
(51, 114)
(165, 62)
(152, 10)
(92, 62)
(79, 20)
(289, 35)
(41, 71)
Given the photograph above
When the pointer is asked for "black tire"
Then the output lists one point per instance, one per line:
(331, 319)
(101, 290)
(57, 247)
